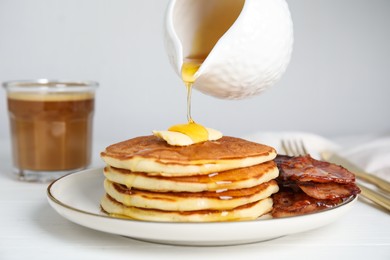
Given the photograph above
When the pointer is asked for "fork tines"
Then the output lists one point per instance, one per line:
(293, 147)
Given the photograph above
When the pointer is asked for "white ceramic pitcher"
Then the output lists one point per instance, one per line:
(247, 48)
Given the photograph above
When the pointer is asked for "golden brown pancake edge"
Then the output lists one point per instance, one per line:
(153, 155)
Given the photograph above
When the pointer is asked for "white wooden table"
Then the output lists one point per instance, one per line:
(31, 229)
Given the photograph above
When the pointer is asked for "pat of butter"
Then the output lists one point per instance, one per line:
(196, 132)
(180, 139)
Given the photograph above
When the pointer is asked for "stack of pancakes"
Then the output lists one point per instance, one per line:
(224, 180)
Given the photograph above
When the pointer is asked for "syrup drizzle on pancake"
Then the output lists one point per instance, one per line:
(196, 132)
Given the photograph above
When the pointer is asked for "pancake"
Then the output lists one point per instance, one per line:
(230, 179)
(189, 201)
(246, 212)
(224, 180)
(154, 156)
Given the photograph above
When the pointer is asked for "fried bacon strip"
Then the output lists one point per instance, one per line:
(309, 185)
(289, 203)
(326, 191)
(305, 168)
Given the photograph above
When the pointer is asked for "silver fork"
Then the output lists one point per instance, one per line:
(293, 147)
(297, 148)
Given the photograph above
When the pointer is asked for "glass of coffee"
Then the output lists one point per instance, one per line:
(51, 127)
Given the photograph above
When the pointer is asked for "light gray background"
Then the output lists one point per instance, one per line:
(337, 82)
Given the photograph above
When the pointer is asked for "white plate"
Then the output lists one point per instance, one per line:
(77, 197)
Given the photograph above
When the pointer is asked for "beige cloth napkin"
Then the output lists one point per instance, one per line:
(371, 153)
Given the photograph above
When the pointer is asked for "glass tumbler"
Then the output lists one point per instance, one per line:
(51, 127)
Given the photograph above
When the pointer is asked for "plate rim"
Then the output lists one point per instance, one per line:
(187, 225)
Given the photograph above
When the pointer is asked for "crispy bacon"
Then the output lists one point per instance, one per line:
(305, 168)
(309, 185)
(288, 203)
(328, 191)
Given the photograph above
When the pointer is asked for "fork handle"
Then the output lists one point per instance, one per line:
(381, 183)
(334, 158)
(375, 197)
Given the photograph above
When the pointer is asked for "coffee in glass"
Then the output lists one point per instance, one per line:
(51, 127)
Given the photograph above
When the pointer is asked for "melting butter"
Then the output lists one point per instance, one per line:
(181, 139)
(196, 132)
